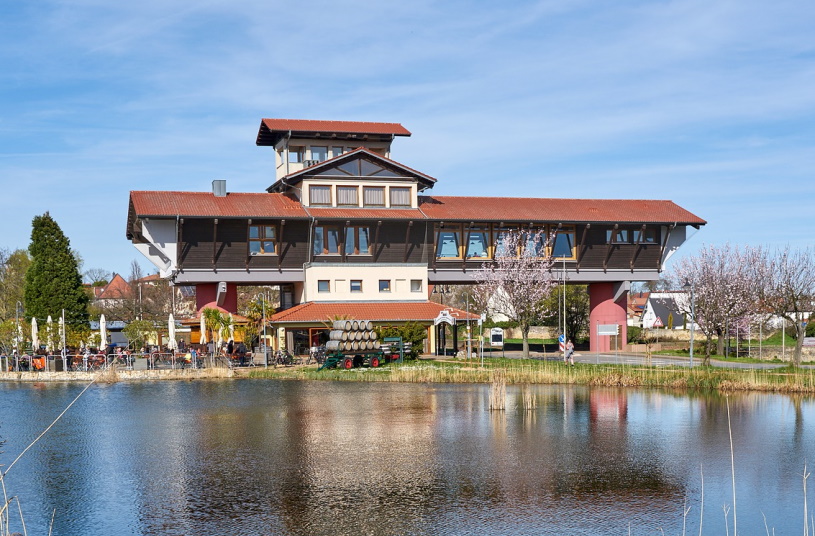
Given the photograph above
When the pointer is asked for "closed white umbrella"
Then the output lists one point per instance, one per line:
(172, 344)
(103, 332)
(35, 336)
(49, 334)
(203, 329)
(231, 328)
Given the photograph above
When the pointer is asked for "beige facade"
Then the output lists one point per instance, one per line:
(365, 283)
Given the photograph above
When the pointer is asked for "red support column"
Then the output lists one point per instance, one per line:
(604, 310)
(206, 293)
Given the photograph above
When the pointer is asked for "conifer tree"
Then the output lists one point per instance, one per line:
(52, 282)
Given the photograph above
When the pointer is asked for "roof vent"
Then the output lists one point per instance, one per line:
(219, 188)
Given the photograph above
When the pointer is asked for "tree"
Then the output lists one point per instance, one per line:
(518, 280)
(411, 332)
(52, 282)
(138, 331)
(577, 309)
(97, 277)
(13, 267)
(790, 289)
(725, 283)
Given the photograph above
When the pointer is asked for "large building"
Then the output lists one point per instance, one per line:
(344, 223)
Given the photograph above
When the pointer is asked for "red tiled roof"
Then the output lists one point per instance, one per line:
(357, 127)
(319, 312)
(238, 319)
(117, 289)
(526, 209)
(204, 204)
(509, 209)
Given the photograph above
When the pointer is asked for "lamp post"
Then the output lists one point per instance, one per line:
(689, 286)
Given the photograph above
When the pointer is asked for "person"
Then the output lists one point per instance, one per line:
(241, 351)
(230, 349)
(569, 355)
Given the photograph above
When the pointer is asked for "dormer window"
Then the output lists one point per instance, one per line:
(400, 197)
(319, 195)
(373, 196)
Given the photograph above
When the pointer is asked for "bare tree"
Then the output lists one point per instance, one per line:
(725, 288)
(790, 289)
(518, 280)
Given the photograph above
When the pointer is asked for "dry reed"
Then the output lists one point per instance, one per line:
(498, 390)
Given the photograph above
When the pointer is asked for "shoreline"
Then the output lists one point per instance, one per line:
(545, 371)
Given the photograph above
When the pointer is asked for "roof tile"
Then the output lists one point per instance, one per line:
(314, 312)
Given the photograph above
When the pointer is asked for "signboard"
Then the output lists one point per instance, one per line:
(497, 337)
(658, 323)
(608, 329)
(561, 342)
(809, 341)
(445, 317)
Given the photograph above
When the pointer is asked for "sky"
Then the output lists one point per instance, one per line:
(708, 104)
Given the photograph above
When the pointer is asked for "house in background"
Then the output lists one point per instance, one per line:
(667, 309)
(636, 305)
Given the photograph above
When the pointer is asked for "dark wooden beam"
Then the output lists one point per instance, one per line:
(344, 238)
(280, 245)
(610, 245)
(664, 244)
(407, 240)
(580, 249)
(179, 238)
(637, 247)
(376, 240)
(214, 243)
(466, 245)
(248, 254)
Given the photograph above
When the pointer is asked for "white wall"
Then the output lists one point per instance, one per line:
(339, 278)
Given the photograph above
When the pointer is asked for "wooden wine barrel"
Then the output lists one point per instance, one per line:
(338, 335)
(343, 324)
(333, 345)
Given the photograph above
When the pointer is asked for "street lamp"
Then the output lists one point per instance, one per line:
(689, 286)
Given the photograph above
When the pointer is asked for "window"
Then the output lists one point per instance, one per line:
(373, 196)
(319, 153)
(323, 285)
(617, 236)
(477, 243)
(415, 285)
(648, 236)
(500, 242)
(534, 243)
(356, 285)
(357, 241)
(319, 195)
(384, 285)
(336, 151)
(447, 246)
(400, 197)
(262, 239)
(326, 240)
(347, 196)
(563, 243)
(296, 154)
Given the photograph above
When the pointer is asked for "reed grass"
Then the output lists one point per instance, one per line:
(520, 371)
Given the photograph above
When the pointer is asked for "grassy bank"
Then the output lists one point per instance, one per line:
(517, 371)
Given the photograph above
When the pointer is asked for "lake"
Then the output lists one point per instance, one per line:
(310, 458)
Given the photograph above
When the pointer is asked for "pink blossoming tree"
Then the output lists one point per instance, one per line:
(518, 280)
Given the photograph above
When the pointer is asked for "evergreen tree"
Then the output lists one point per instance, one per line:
(52, 282)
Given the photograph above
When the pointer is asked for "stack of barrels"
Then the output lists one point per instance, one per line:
(352, 336)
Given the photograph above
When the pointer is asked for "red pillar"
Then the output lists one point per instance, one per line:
(208, 292)
(604, 310)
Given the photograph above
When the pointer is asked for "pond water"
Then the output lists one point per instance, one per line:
(311, 458)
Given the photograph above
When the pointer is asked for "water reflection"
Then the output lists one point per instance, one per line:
(265, 457)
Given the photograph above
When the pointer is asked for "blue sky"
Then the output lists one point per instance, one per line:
(709, 104)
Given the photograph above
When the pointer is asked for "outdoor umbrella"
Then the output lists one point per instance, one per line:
(49, 334)
(171, 344)
(61, 330)
(203, 330)
(231, 328)
(35, 336)
(103, 332)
